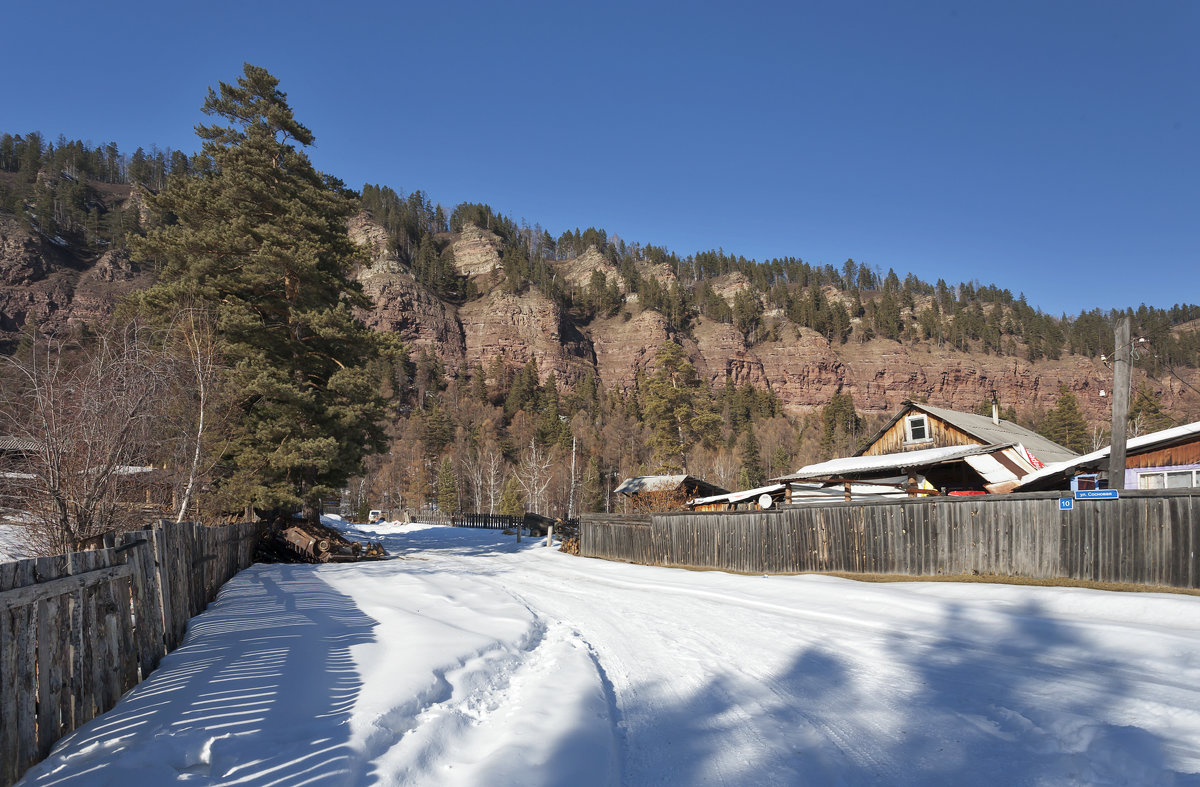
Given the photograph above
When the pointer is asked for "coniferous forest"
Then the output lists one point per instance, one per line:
(270, 393)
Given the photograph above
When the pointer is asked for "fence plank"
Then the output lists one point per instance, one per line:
(10, 683)
(53, 649)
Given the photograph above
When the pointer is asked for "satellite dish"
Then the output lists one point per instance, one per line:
(765, 500)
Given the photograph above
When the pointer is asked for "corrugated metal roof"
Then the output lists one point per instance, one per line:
(908, 459)
(981, 426)
(8, 443)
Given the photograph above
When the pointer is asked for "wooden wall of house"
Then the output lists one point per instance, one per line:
(1185, 454)
(944, 435)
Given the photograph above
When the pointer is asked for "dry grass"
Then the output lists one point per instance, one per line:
(990, 579)
(1120, 587)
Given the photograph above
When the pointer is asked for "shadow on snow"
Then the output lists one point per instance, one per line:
(269, 660)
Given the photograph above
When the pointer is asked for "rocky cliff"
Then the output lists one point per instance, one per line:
(518, 327)
(57, 287)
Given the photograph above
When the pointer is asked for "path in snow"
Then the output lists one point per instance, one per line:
(470, 661)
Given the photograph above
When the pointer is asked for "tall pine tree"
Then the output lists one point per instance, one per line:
(259, 235)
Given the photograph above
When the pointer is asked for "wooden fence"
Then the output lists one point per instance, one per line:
(489, 521)
(77, 631)
(1150, 538)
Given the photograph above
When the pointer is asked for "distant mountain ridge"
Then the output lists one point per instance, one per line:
(473, 287)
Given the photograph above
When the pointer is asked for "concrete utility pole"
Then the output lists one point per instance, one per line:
(1122, 376)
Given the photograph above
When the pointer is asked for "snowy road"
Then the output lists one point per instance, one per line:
(470, 661)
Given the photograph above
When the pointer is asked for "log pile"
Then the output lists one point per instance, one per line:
(293, 541)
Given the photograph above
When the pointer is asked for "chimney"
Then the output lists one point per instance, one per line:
(995, 409)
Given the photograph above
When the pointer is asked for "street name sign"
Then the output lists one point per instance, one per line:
(1096, 494)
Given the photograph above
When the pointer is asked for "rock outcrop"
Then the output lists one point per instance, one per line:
(476, 251)
(577, 271)
(517, 327)
(51, 285)
(622, 347)
(400, 304)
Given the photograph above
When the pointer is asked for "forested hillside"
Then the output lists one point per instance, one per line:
(523, 368)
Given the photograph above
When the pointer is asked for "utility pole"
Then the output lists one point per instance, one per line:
(1122, 376)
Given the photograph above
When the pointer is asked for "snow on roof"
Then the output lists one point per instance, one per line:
(9, 443)
(868, 464)
(649, 483)
(1146, 441)
(737, 497)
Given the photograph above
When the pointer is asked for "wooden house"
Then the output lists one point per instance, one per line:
(1168, 459)
(917, 427)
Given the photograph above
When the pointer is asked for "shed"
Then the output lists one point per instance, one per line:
(665, 492)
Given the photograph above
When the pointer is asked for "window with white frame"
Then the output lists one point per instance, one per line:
(1169, 479)
(916, 429)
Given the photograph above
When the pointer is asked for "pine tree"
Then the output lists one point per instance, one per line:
(1145, 413)
(257, 234)
(842, 425)
(1065, 424)
(511, 503)
(677, 410)
(752, 461)
(447, 487)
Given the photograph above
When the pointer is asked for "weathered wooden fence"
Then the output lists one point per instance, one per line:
(1150, 538)
(77, 631)
(489, 521)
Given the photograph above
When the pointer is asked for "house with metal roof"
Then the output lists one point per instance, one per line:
(1167, 459)
(917, 427)
(953, 470)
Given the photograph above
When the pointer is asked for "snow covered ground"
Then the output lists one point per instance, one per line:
(472, 661)
(13, 542)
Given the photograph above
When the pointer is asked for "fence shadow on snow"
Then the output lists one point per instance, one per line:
(77, 631)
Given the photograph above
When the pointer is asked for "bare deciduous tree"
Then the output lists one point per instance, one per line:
(534, 475)
(84, 417)
(197, 406)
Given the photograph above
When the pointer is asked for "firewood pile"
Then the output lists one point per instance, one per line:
(292, 541)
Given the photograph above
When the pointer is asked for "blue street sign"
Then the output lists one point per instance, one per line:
(1065, 503)
(1096, 494)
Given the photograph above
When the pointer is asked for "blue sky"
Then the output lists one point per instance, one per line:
(1047, 147)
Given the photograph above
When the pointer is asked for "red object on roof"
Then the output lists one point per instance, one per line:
(965, 492)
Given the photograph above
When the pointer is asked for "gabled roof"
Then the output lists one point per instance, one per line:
(1143, 444)
(985, 431)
